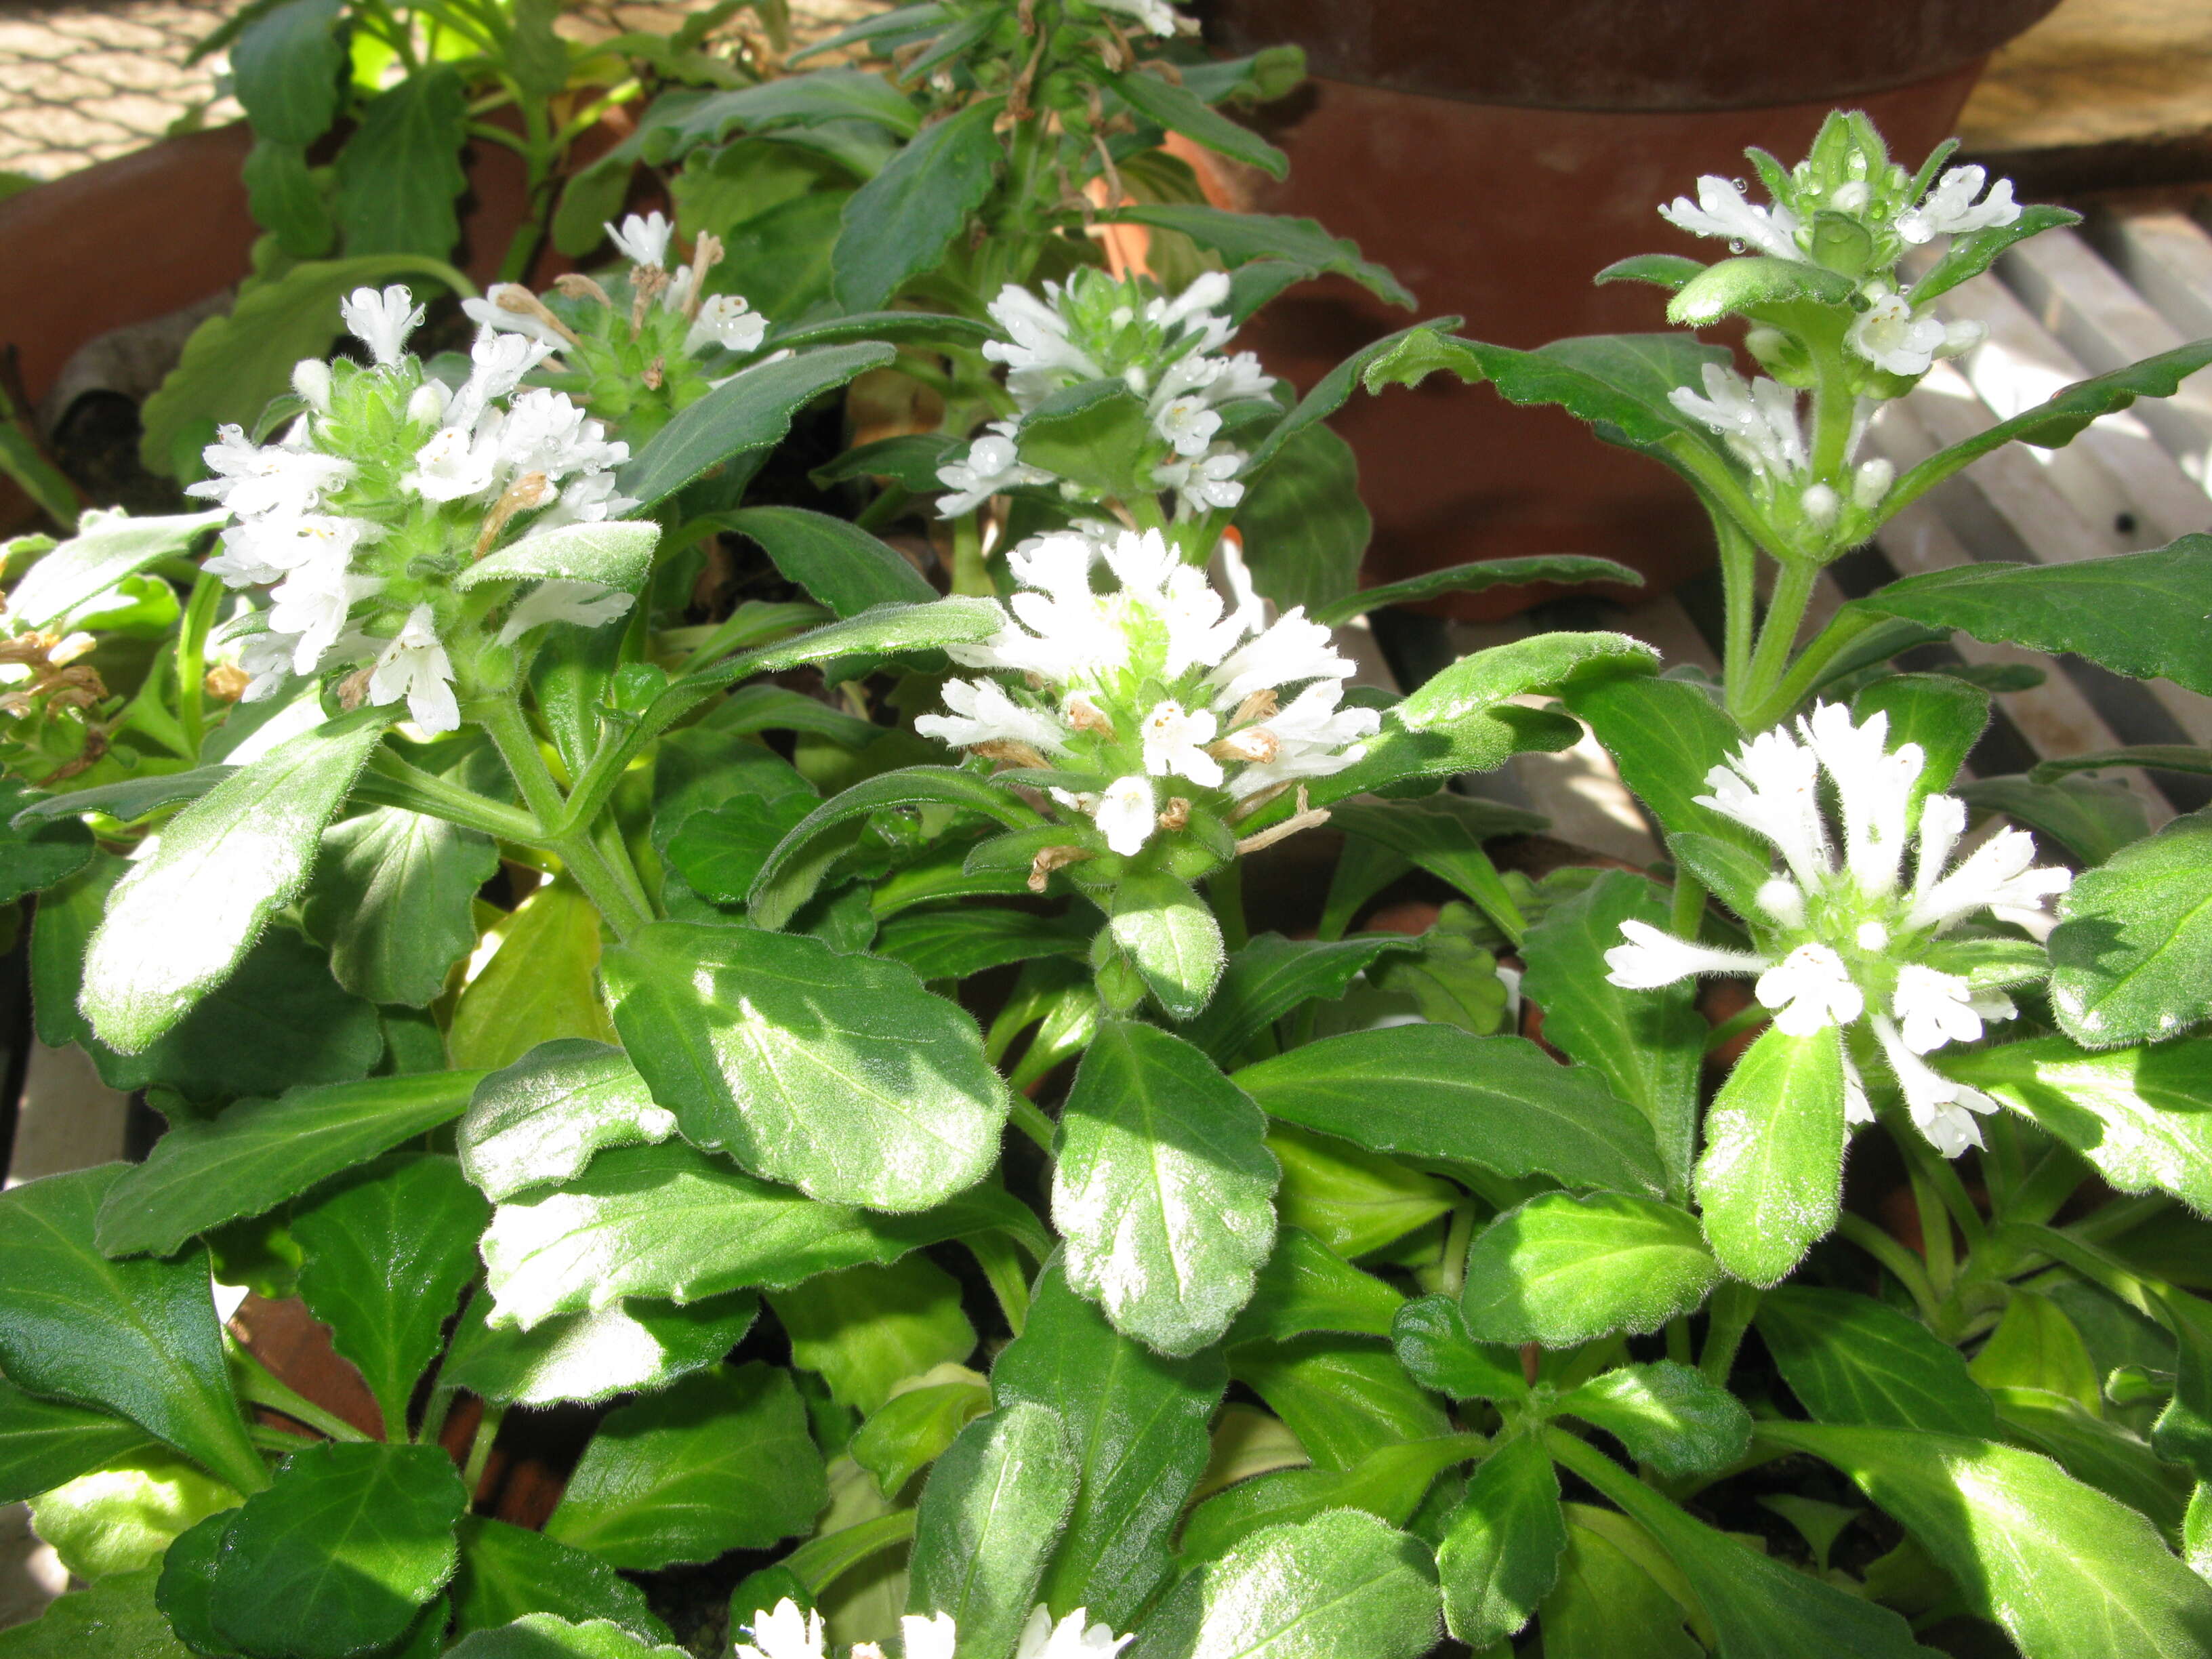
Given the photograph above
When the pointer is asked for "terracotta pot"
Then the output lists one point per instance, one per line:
(1495, 158)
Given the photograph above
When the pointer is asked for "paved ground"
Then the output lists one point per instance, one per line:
(86, 80)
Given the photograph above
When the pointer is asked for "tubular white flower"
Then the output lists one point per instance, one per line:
(1202, 484)
(256, 480)
(725, 320)
(454, 465)
(1809, 990)
(1758, 418)
(932, 1637)
(1771, 787)
(1857, 1107)
(1157, 16)
(1950, 209)
(265, 660)
(783, 1633)
(382, 322)
(1293, 650)
(1889, 335)
(415, 666)
(1874, 787)
(1651, 958)
(1037, 352)
(991, 467)
(488, 314)
(1189, 424)
(311, 378)
(1933, 1008)
(312, 604)
(1870, 484)
(1175, 745)
(1942, 1110)
(587, 605)
(1127, 812)
(260, 550)
(1071, 1638)
(1312, 738)
(642, 241)
(2000, 876)
(1720, 210)
(983, 712)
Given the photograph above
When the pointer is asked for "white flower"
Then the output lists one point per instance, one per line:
(727, 321)
(587, 605)
(545, 431)
(498, 364)
(266, 661)
(260, 550)
(2000, 876)
(414, 665)
(1758, 418)
(1193, 310)
(1771, 787)
(1651, 959)
(992, 467)
(1874, 787)
(1871, 483)
(1293, 650)
(383, 321)
(1933, 1008)
(1312, 738)
(455, 464)
(1720, 210)
(311, 378)
(784, 1633)
(1950, 207)
(982, 712)
(253, 480)
(1204, 483)
(642, 241)
(1037, 352)
(1890, 336)
(1126, 813)
(1068, 1639)
(1157, 16)
(1174, 743)
(927, 1639)
(1942, 1110)
(1187, 423)
(1810, 989)
(312, 604)
(488, 314)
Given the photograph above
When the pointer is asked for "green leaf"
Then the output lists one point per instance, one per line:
(1618, 382)
(1306, 1286)
(1561, 1270)
(2051, 424)
(1942, 714)
(995, 1505)
(865, 1329)
(2069, 1573)
(335, 1557)
(139, 1338)
(1405, 358)
(673, 1223)
(956, 943)
(2142, 1116)
(1136, 1424)
(40, 855)
(1240, 238)
(384, 1253)
(720, 1461)
(2092, 820)
(538, 988)
(2131, 958)
(259, 1152)
(544, 1635)
(1303, 518)
(1737, 285)
(786, 881)
(2158, 756)
(284, 69)
(1666, 1415)
(400, 172)
(287, 199)
(1542, 662)
(543, 1119)
(1340, 1584)
(753, 410)
(232, 365)
(1431, 1340)
(1851, 1359)
(2117, 1462)
(106, 548)
(1500, 1553)
(1476, 577)
(45, 1444)
(2035, 1346)
(508, 1572)
(1666, 735)
(1398, 759)
(899, 224)
(1970, 255)
(1605, 1603)
(1389, 1484)
(1434, 1093)
(628, 1346)
(1273, 977)
(830, 94)
(885, 631)
(910, 459)
(611, 555)
(1171, 936)
(1649, 1046)
(2138, 614)
(125, 1517)
(840, 1074)
(1345, 1397)
(178, 923)
(917, 1424)
(1179, 110)
(394, 897)
(1097, 433)
(1353, 1201)
(1666, 271)
(116, 1618)
(1161, 1188)
(1771, 1181)
(835, 561)
(901, 327)
(1758, 1607)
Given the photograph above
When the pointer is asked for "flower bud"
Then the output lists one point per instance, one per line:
(1872, 484)
(1821, 505)
(1961, 336)
(311, 378)
(427, 407)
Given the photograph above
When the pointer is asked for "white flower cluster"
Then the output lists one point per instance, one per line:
(784, 1632)
(1167, 350)
(1160, 683)
(388, 475)
(1889, 333)
(1758, 420)
(1845, 939)
(1155, 17)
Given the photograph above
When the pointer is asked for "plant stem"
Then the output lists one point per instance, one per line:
(1793, 591)
(622, 904)
(259, 1386)
(1001, 1263)
(1033, 1122)
(1894, 1256)
(1739, 560)
(480, 1448)
(1678, 1341)
(1451, 1273)
(969, 576)
(191, 657)
(1737, 1023)
(1225, 887)
(1727, 1318)
(1689, 907)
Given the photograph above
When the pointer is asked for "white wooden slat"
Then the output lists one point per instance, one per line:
(2107, 325)
(2023, 494)
(68, 1119)
(2167, 257)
